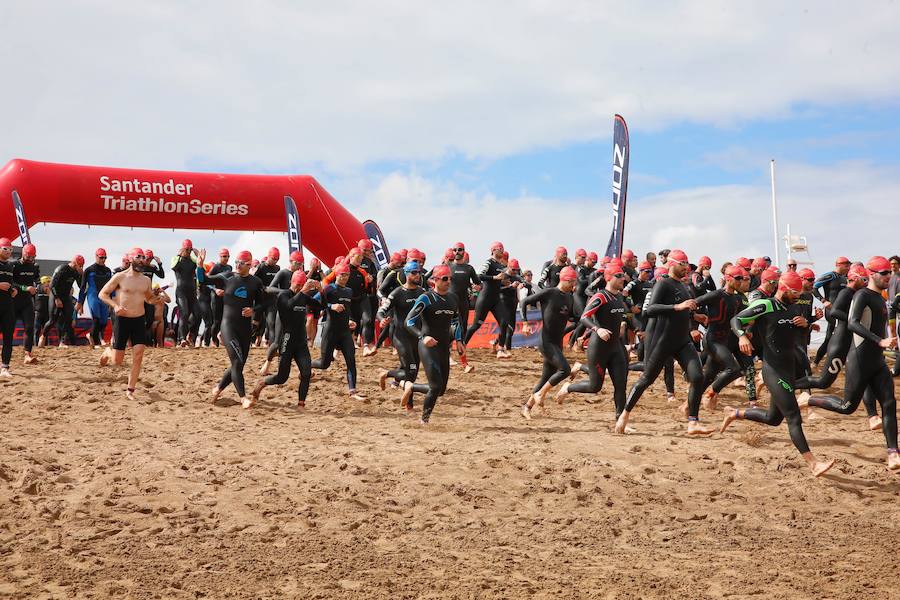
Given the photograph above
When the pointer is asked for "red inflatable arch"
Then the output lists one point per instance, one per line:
(56, 193)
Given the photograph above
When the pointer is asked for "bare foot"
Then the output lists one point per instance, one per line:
(358, 396)
(468, 368)
(576, 369)
(562, 393)
(684, 408)
(893, 461)
(875, 423)
(670, 397)
(820, 468)
(382, 379)
(731, 414)
(526, 412)
(803, 399)
(129, 393)
(42, 342)
(248, 402)
(104, 358)
(369, 351)
(622, 424)
(5, 374)
(264, 369)
(406, 397)
(256, 392)
(697, 428)
(301, 406)
(214, 394)
(30, 360)
(711, 401)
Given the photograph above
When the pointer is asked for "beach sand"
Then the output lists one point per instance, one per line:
(171, 497)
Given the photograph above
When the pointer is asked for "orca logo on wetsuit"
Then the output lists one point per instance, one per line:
(241, 292)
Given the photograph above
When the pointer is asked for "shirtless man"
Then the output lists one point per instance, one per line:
(132, 289)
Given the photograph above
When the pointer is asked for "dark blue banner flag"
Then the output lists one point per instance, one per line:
(373, 232)
(621, 155)
(20, 218)
(295, 242)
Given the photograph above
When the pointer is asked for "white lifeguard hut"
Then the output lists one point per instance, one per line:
(797, 245)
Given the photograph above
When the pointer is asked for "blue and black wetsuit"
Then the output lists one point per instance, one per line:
(398, 305)
(92, 281)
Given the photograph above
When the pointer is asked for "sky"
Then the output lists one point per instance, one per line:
(481, 121)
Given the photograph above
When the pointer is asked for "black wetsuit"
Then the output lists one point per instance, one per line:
(370, 305)
(240, 293)
(384, 273)
(185, 269)
(61, 283)
(776, 334)
(580, 298)
(605, 310)
(7, 312)
(149, 310)
(725, 362)
(866, 367)
(488, 298)
(463, 277)
(205, 294)
(292, 309)
(436, 316)
(336, 334)
(397, 306)
(216, 304)
(550, 274)
(281, 281)
(557, 309)
(803, 307)
(509, 301)
(671, 339)
(41, 307)
(827, 287)
(266, 274)
(26, 275)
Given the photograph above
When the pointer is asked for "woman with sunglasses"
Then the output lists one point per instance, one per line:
(725, 362)
(394, 309)
(603, 317)
(434, 320)
(92, 281)
(557, 309)
(243, 302)
(866, 367)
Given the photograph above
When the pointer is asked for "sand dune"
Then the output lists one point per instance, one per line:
(170, 497)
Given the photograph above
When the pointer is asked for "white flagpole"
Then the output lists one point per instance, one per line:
(775, 216)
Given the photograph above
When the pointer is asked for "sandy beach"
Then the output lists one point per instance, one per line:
(171, 497)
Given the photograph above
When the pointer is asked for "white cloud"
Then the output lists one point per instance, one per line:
(283, 83)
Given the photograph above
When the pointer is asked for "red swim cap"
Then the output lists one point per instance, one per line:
(745, 263)
(857, 272)
(315, 263)
(449, 254)
(878, 263)
(616, 261)
(770, 274)
(611, 270)
(560, 250)
(568, 274)
(415, 254)
(505, 255)
(807, 274)
(298, 278)
(29, 250)
(274, 253)
(735, 271)
(396, 257)
(459, 245)
(5, 243)
(100, 252)
(207, 266)
(513, 263)
(135, 252)
(365, 244)
(466, 257)
(297, 256)
(342, 269)
(187, 245)
(659, 272)
(148, 253)
(841, 260)
(581, 252)
(645, 266)
(679, 255)
(790, 281)
(605, 261)
(704, 261)
(224, 252)
(627, 255)
(244, 256)
(760, 263)
(440, 271)
(78, 260)
(592, 256)
(496, 246)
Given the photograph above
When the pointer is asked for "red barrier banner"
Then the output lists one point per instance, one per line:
(57, 193)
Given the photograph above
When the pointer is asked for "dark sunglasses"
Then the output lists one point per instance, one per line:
(445, 278)
(101, 258)
(138, 256)
(619, 275)
(238, 263)
(739, 278)
(459, 249)
(809, 279)
(882, 273)
(414, 272)
(792, 266)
